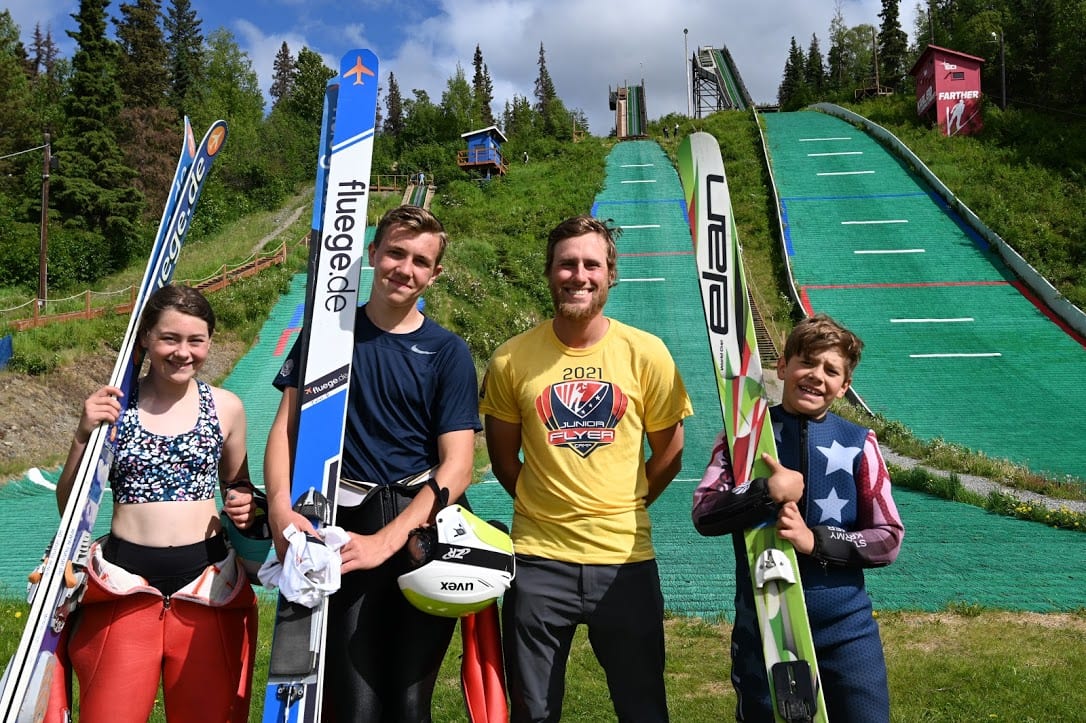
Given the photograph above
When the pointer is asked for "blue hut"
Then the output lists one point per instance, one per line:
(484, 152)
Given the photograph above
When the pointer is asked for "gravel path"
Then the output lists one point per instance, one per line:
(983, 486)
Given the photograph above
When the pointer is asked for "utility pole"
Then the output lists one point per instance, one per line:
(875, 54)
(43, 250)
(686, 64)
(1002, 72)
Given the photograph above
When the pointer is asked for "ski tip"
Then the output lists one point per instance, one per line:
(216, 137)
(358, 65)
(190, 139)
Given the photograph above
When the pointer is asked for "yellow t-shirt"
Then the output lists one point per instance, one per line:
(583, 415)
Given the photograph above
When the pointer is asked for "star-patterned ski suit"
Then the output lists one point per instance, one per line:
(848, 506)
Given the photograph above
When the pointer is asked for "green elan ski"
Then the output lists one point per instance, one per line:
(789, 651)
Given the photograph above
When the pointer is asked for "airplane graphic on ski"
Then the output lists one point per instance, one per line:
(358, 71)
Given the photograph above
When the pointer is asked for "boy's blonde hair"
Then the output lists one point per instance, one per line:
(820, 332)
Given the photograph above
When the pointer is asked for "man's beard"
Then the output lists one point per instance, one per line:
(577, 312)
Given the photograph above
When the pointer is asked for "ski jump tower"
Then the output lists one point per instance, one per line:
(716, 82)
(628, 103)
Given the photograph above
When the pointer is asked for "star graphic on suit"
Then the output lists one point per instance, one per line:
(839, 457)
(831, 506)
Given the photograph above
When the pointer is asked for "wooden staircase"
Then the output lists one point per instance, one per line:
(767, 348)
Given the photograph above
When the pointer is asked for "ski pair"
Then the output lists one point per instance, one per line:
(60, 579)
(337, 243)
(788, 648)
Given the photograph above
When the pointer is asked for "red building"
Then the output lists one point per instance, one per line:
(948, 90)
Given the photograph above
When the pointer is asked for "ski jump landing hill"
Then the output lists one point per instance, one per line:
(419, 195)
(960, 345)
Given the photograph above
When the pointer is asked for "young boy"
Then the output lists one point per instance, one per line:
(830, 494)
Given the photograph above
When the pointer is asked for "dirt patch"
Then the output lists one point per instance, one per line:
(38, 414)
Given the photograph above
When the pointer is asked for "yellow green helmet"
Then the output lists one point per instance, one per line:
(464, 564)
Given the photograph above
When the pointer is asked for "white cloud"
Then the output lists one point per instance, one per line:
(592, 47)
(262, 49)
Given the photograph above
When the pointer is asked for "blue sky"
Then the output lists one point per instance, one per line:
(591, 45)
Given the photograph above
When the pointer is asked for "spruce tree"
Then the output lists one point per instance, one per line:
(185, 42)
(143, 70)
(149, 128)
(46, 81)
(815, 69)
(16, 116)
(893, 45)
(792, 93)
(394, 120)
(94, 183)
(552, 113)
(483, 90)
(43, 51)
(282, 75)
(520, 119)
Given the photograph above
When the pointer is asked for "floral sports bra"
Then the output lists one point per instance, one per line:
(151, 467)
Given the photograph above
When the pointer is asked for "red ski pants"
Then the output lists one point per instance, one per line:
(121, 648)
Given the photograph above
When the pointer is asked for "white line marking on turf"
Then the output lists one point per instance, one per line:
(889, 251)
(638, 165)
(647, 180)
(848, 173)
(933, 321)
(865, 223)
(34, 475)
(832, 138)
(836, 153)
(955, 356)
(642, 225)
(653, 278)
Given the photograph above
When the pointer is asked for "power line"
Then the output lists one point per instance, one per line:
(29, 150)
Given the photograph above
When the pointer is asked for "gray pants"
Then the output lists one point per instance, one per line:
(624, 610)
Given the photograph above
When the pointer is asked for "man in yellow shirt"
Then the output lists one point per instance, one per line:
(580, 394)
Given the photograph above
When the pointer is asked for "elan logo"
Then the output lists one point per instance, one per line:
(714, 275)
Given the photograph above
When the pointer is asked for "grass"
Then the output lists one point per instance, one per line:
(966, 663)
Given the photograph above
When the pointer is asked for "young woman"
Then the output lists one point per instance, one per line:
(166, 598)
